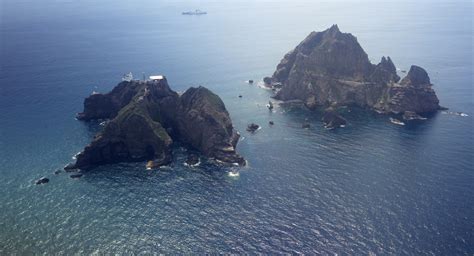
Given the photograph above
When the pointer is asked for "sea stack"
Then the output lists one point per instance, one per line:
(330, 68)
(146, 117)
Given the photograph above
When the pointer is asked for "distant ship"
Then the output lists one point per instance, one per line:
(195, 12)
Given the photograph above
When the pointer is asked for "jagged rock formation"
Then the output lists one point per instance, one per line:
(331, 68)
(146, 117)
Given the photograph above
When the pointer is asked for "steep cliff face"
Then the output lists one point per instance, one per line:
(331, 68)
(104, 106)
(147, 123)
(204, 123)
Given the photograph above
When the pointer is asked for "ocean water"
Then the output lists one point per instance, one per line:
(371, 188)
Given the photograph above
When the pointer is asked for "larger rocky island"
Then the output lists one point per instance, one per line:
(330, 68)
(145, 117)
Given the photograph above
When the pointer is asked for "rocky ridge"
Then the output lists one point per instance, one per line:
(330, 68)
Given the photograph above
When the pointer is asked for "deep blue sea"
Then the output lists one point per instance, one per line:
(371, 188)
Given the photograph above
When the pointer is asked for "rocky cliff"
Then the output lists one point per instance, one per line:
(146, 117)
(331, 68)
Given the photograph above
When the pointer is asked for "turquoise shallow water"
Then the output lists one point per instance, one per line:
(371, 187)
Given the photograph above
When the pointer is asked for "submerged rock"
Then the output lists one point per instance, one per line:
(148, 117)
(331, 119)
(76, 175)
(42, 180)
(331, 67)
(271, 123)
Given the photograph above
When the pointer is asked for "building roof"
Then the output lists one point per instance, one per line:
(156, 77)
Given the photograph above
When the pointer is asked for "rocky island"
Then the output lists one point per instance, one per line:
(330, 69)
(146, 117)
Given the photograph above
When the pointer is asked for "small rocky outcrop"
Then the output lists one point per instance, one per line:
(42, 180)
(267, 81)
(330, 67)
(410, 115)
(146, 117)
(331, 119)
(252, 127)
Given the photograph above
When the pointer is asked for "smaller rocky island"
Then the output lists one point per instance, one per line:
(330, 69)
(146, 117)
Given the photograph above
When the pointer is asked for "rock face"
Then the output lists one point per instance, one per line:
(146, 117)
(204, 123)
(331, 68)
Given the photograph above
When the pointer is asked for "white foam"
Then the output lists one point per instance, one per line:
(233, 174)
(74, 157)
(193, 165)
(262, 85)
